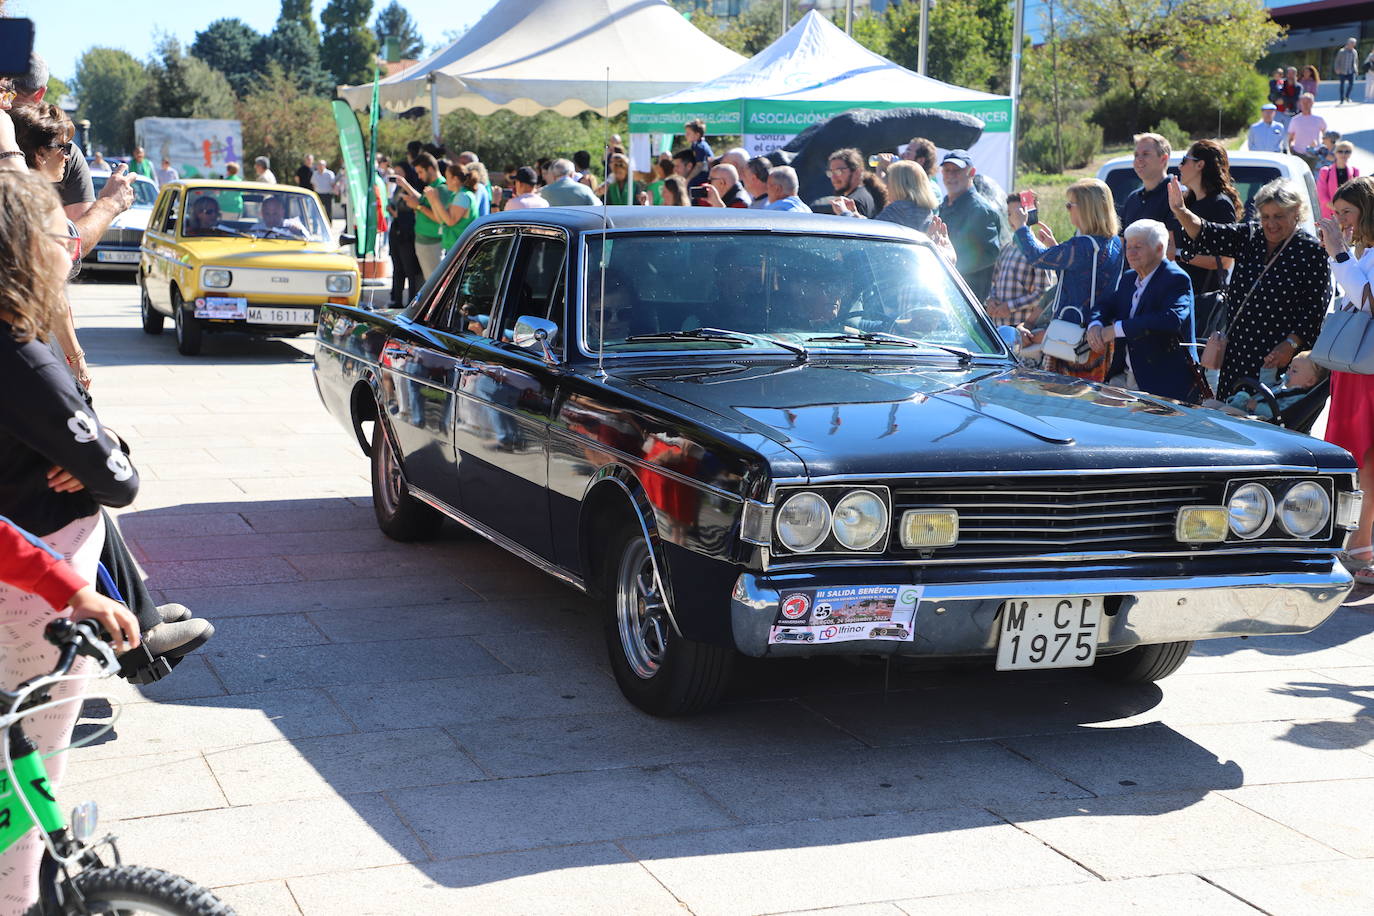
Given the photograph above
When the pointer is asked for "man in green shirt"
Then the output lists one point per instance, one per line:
(428, 229)
(140, 165)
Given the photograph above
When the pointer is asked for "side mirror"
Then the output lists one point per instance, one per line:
(1010, 336)
(536, 334)
(347, 238)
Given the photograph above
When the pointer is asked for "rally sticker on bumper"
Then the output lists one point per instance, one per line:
(843, 613)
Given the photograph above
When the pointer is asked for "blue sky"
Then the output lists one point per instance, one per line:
(63, 30)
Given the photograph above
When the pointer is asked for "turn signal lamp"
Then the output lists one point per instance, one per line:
(926, 528)
(1348, 509)
(1202, 524)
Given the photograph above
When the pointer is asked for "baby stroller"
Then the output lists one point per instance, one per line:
(1298, 416)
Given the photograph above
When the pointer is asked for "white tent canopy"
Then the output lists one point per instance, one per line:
(811, 73)
(528, 56)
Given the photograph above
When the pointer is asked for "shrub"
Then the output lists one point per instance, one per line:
(1038, 150)
(1168, 129)
(1197, 114)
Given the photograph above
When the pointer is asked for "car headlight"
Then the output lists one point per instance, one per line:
(216, 278)
(926, 528)
(803, 522)
(1252, 510)
(859, 520)
(1304, 510)
(339, 283)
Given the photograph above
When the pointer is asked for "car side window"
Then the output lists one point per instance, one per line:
(472, 296)
(159, 211)
(169, 224)
(536, 286)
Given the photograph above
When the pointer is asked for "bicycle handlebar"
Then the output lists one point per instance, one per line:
(73, 639)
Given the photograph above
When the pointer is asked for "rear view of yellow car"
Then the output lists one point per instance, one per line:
(246, 257)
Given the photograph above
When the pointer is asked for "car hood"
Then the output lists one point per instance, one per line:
(274, 255)
(132, 218)
(860, 418)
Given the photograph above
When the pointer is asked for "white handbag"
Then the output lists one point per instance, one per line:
(1065, 339)
(1346, 342)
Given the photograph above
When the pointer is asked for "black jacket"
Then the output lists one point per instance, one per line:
(45, 421)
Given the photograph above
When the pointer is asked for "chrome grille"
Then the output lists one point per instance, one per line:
(1013, 516)
(122, 238)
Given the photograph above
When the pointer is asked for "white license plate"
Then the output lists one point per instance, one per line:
(221, 307)
(117, 257)
(263, 314)
(1048, 632)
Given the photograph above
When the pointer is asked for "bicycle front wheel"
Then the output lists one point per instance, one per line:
(127, 890)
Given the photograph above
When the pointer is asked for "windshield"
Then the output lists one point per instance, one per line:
(145, 192)
(280, 215)
(804, 290)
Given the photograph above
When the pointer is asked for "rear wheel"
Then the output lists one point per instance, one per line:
(131, 889)
(189, 329)
(659, 671)
(152, 318)
(401, 516)
(1143, 664)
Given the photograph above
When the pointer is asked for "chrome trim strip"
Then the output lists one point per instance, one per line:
(353, 356)
(166, 257)
(1063, 472)
(1205, 553)
(635, 460)
(500, 540)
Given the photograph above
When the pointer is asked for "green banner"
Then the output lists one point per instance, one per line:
(766, 116)
(720, 117)
(369, 243)
(355, 166)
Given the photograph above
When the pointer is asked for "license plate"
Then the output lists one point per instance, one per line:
(269, 315)
(221, 307)
(1048, 632)
(117, 257)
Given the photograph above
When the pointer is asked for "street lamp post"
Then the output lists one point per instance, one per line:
(925, 37)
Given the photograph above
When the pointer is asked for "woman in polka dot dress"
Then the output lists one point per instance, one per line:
(1280, 286)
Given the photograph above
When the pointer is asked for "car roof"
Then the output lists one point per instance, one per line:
(138, 179)
(1235, 157)
(590, 219)
(223, 184)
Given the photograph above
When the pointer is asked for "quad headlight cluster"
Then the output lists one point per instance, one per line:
(833, 519)
(1272, 508)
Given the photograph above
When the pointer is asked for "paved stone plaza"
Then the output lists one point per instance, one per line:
(384, 728)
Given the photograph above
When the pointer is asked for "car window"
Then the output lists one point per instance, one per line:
(536, 287)
(469, 300)
(268, 215)
(796, 289)
(169, 224)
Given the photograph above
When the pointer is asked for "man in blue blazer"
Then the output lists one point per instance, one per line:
(1151, 317)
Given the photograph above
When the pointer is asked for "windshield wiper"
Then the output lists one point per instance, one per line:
(897, 341)
(719, 334)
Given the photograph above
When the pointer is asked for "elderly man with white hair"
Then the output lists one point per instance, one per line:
(1151, 312)
(782, 190)
(724, 189)
(562, 191)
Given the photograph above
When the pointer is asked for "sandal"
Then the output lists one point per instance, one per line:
(1357, 559)
(1364, 575)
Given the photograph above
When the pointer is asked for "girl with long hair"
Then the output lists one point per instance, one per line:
(1206, 174)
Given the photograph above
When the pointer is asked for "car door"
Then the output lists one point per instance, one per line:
(507, 394)
(162, 251)
(422, 368)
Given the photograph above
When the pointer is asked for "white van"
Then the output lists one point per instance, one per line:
(1249, 170)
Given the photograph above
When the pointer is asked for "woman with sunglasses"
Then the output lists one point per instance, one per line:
(1205, 173)
(1333, 176)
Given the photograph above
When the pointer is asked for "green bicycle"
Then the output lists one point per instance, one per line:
(74, 879)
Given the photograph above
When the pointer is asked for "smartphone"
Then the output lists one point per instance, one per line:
(1028, 199)
(697, 193)
(1032, 216)
(16, 46)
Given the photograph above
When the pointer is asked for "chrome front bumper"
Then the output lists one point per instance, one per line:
(960, 619)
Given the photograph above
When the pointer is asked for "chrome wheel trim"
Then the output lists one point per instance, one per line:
(177, 318)
(641, 614)
(391, 484)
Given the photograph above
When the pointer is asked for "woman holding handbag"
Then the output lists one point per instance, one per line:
(1348, 238)
(1089, 267)
(1280, 285)
(1206, 174)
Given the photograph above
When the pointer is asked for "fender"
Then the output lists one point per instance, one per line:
(623, 481)
(363, 399)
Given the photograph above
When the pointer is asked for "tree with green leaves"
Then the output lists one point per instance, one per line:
(969, 41)
(291, 48)
(230, 46)
(284, 123)
(1152, 48)
(302, 11)
(394, 22)
(348, 47)
(109, 83)
(184, 86)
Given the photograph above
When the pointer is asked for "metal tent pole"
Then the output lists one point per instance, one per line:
(434, 110)
(924, 39)
(1017, 37)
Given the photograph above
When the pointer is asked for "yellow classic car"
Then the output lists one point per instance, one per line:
(236, 256)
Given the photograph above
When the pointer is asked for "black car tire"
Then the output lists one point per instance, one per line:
(1143, 664)
(152, 318)
(657, 670)
(400, 516)
(189, 330)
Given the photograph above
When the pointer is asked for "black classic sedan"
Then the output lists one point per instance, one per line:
(779, 434)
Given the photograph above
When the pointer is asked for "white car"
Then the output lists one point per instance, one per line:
(1249, 170)
(118, 248)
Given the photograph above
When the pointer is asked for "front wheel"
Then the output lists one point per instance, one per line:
(1143, 664)
(658, 670)
(133, 889)
(152, 318)
(401, 516)
(189, 329)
